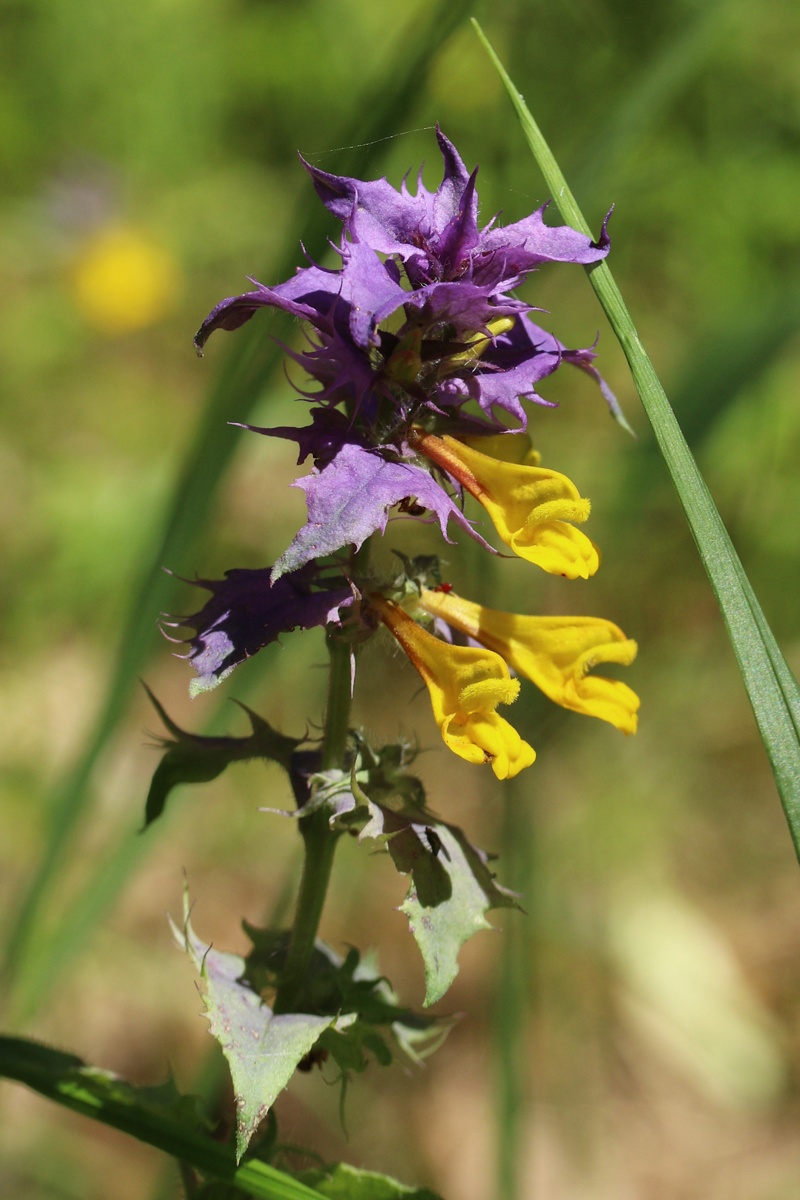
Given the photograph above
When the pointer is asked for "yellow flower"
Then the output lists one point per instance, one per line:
(533, 509)
(508, 447)
(465, 686)
(123, 280)
(555, 653)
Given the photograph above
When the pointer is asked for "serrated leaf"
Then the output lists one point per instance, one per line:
(452, 889)
(262, 1049)
(343, 1182)
(191, 758)
(336, 986)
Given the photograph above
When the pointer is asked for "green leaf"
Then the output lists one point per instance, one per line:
(452, 887)
(349, 1047)
(340, 793)
(191, 758)
(157, 1116)
(771, 687)
(336, 986)
(343, 1182)
(451, 891)
(262, 1049)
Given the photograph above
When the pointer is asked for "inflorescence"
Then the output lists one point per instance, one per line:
(423, 361)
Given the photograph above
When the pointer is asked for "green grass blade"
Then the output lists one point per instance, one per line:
(772, 689)
(249, 363)
(64, 1079)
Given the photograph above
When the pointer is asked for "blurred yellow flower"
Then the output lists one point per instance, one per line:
(555, 653)
(533, 509)
(123, 280)
(465, 685)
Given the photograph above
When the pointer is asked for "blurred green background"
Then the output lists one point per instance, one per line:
(636, 1032)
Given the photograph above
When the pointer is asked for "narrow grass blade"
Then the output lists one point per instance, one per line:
(514, 998)
(772, 689)
(66, 1080)
(246, 370)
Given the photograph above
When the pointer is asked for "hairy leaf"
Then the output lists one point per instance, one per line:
(451, 891)
(263, 1050)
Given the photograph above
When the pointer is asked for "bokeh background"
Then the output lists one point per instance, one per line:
(635, 1033)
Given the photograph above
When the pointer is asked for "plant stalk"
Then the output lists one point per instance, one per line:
(318, 838)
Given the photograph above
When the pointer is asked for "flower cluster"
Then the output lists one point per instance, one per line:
(421, 359)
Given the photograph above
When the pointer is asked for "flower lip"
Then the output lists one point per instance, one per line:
(555, 653)
(533, 509)
(465, 686)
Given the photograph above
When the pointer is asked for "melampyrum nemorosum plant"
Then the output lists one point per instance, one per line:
(423, 366)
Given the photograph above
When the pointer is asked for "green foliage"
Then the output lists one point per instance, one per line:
(452, 887)
(451, 891)
(157, 1116)
(161, 1117)
(263, 1049)
(333, 986)
(343, 1182)
(342, 1009)
(191, 758)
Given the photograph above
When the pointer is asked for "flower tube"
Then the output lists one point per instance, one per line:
(533, 509)
(465, 685)
(555, 653)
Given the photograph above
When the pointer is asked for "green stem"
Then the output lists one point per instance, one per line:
(337, 719)
(318, 837)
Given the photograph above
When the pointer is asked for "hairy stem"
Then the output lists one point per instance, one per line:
(318, 837)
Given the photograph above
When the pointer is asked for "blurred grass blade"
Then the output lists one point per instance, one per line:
(660, 80)
(514, 996)
(102, 1097)
(772, 689)
(381, 110)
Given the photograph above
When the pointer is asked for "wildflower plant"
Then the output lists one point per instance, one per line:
(421, 373)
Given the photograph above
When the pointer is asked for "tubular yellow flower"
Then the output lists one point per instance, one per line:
(508, 447)
(533, 509)
(555, 653)
(465, 687)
